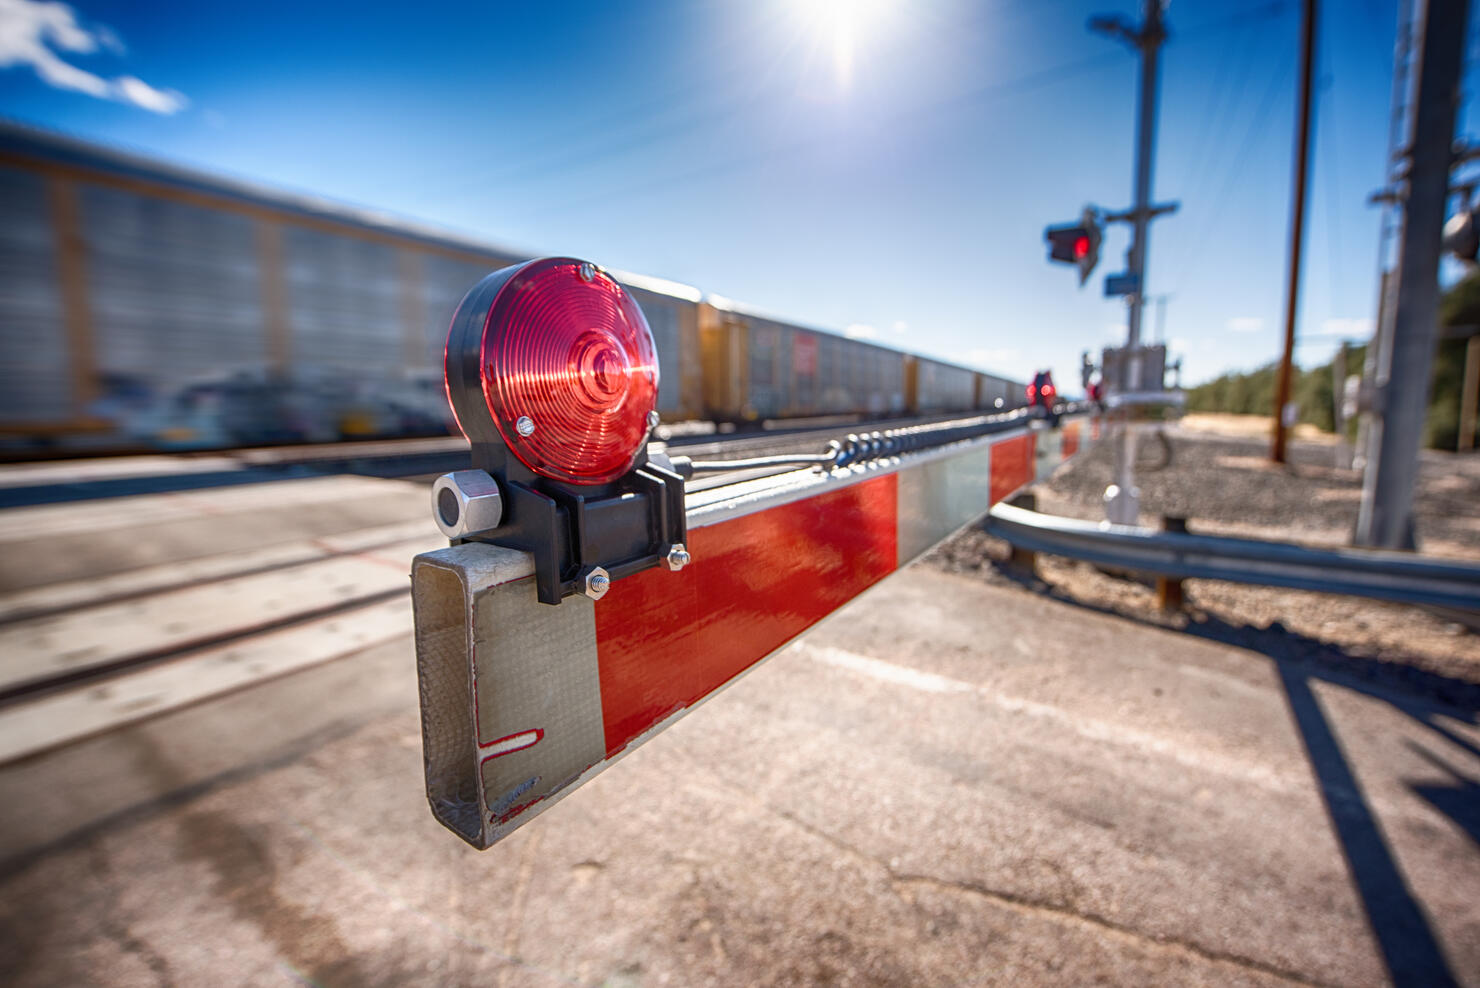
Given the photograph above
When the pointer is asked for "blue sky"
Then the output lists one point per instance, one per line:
(878, 165)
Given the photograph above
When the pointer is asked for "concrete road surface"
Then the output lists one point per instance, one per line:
(948, 783)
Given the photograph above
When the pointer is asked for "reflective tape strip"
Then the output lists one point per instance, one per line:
(521, 702)
(1012, 465)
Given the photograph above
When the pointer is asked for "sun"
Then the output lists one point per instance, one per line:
(846, 27)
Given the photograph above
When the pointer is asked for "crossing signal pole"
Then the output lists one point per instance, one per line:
(1147, 39)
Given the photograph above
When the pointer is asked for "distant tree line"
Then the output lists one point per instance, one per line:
(1252, 392)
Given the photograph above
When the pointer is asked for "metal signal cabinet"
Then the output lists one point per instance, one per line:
(758, 367)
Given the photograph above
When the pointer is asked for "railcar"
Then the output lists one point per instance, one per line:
(148, 306)
(143, 305)
(757, 367)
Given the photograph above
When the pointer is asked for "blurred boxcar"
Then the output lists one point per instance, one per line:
(758, 367)
(146, 305)
(932, 386)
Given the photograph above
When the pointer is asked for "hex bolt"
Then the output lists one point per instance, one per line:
(525, 425)
(588, 271)
(677, 557)
(598, 582)
(465, 503)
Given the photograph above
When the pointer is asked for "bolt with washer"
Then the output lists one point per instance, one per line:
(598, 582)
(677, 558)
(588, 271)
(525, 425)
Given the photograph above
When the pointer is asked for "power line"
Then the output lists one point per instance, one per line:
(1235, 171)
(1021, 84)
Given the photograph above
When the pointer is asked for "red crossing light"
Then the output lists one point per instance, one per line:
(1081, 247)
(567, 368)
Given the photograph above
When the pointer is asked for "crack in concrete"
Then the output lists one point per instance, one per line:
(1026, 904)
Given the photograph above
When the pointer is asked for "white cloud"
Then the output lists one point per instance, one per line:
(858, 331)
(33, 31)
(1359, 328)
(140, 93)
(900, 326)
(1245, 324)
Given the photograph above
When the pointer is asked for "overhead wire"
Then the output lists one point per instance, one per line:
(1027, 82)
(1235, 171)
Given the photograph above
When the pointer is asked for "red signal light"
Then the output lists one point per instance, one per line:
(1081, 247)
(566, 366)
(570, 372)
(1032, 393)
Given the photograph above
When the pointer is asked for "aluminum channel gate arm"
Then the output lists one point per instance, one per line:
(521, 702)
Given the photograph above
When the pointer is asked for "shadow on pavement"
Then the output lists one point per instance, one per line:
(1409, 947)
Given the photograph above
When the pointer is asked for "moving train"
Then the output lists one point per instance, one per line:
(146, 306)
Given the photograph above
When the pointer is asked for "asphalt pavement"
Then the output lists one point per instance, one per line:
(945, 783)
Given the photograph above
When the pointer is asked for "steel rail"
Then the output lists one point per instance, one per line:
(1395, 576)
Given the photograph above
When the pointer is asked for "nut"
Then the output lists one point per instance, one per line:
(466, 502)
(677, 557)
(588, 271)
(598, 582)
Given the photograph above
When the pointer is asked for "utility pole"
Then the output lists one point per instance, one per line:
(1122, 499)
(1297, 229)
(1406, 356)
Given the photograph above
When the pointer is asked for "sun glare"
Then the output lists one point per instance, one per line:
(844, 26)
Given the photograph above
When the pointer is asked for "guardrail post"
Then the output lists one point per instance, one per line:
(1169, 589)
(1023, 560)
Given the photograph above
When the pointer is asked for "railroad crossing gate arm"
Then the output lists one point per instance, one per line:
(522, 702)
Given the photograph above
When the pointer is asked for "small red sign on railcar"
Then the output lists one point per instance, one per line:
(804, 355)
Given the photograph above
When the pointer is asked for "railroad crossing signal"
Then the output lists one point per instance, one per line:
(1076, 243)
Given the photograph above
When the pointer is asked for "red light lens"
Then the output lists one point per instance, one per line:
(570, 372)
(1032, 392)
(1081, 247)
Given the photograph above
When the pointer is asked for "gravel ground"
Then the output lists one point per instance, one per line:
(1223, 485)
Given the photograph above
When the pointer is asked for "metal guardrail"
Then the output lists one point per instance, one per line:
(1394, 576)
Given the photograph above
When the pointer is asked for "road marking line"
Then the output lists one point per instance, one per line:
(1094, 730)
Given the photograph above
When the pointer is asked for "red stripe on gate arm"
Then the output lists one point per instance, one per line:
(1071, 440)
(666, 640)
(1012, 465)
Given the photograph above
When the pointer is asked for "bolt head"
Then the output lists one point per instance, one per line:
(588, 271)
(525, 425)
(465, 503)
(653, 419)
(598, 582)
(677, 558)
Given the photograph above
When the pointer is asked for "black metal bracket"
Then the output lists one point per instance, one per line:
(623, 527)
